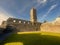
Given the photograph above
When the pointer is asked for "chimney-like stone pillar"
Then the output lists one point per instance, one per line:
(33, 17)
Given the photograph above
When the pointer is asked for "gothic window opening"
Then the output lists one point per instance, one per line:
(24, 22)
(19, 21)
(28, 22)
(14, 20)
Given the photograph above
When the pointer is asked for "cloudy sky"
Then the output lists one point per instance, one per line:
(46, 9)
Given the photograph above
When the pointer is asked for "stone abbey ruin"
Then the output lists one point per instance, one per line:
(20, 25)
(23, 25)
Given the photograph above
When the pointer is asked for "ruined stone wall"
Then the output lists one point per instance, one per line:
(22, 25)
(48, 27)
(3, 25)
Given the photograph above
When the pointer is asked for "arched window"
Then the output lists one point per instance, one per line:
(28, 22)
(14, 20)
(19, 21)
(24, 22)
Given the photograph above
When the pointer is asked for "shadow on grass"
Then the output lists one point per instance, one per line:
(33, 39)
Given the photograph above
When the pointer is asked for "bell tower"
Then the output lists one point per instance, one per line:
(33, 17)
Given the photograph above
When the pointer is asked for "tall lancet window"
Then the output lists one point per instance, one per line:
(14, 20)
(19, 21)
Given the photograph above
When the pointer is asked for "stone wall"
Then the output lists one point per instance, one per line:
(23, 25)
(49, 27)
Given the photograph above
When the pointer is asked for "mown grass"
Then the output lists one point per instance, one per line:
(33, 38)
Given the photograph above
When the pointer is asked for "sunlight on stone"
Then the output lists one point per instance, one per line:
(14, 43)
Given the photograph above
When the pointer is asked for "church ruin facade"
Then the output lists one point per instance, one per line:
(24, 25)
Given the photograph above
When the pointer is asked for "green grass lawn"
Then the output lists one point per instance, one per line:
(33, 38)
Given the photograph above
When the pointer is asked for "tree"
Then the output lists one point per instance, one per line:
(45, 21)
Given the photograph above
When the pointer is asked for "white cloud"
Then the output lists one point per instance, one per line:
(51, 8)
(39, 2)
(4, 15)
(29, 4)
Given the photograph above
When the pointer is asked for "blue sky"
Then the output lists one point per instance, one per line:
(46, 9)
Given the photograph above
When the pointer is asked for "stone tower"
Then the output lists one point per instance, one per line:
(33, 17)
